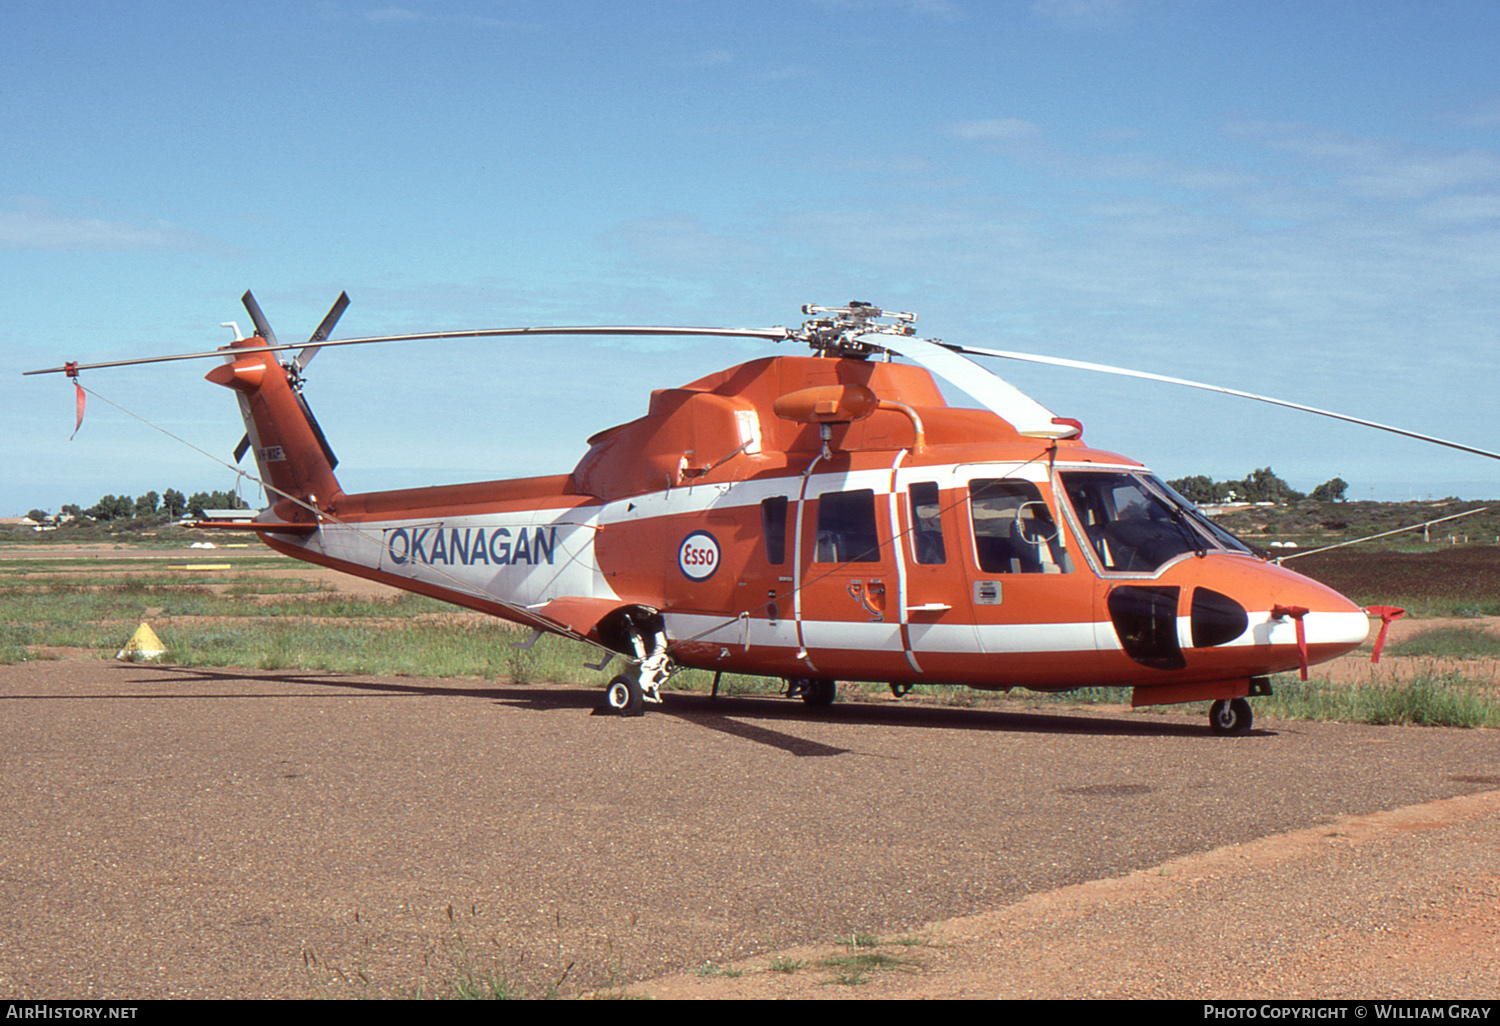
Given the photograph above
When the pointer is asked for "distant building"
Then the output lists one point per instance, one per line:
(243, 515)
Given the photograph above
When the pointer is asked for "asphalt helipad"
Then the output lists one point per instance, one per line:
(222, 833)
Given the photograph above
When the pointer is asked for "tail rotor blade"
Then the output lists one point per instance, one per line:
(324, 330)
(262, 326)
(263, 329)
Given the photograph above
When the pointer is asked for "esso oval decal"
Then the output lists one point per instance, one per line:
(698, 557)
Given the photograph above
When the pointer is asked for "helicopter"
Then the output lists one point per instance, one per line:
(815, 518)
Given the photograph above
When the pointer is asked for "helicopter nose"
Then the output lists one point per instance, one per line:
(1234, 616)
(1292, 620)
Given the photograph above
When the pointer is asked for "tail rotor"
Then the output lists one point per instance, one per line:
(298, 364)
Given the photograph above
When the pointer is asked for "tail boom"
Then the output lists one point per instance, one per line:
(289, 448)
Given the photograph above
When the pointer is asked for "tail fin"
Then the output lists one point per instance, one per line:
(290, 450)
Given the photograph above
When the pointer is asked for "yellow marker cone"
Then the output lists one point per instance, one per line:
(143, 646)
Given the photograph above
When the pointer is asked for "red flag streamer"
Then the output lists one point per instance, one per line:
(79, 399)
(1386, 614)
(1296, 613)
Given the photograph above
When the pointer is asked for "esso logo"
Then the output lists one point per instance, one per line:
(699, 556)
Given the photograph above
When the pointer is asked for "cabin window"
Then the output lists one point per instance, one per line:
(1014, 531)
(927, 524)
(773, 528)
(846, 528)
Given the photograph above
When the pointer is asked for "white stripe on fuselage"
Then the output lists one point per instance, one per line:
(520, 558)
(993, 639)
(886, 637)
(1318, 628)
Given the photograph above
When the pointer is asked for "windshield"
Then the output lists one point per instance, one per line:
(1136, 524)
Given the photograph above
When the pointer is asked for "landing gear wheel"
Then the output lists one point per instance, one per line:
(819, 692)
(1230, 716)
(625, 696)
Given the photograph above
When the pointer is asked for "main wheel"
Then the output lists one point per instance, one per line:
(820, 692)
(1230, 716)
(624, 696)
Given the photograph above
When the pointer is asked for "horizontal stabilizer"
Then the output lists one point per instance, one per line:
(252, 525)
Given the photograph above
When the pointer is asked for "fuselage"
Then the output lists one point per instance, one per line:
(912, 543)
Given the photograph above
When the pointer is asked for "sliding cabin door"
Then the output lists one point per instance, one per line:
(846, 605)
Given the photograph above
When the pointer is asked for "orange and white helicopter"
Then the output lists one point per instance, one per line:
(817, 518)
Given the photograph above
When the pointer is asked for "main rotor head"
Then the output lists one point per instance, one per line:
(838, 334)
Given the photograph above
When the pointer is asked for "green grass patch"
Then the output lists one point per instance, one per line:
(414, 648)
(304, 626)
(714, 969)
(1427, 700)
(51, 602)
(865, 957)
(1429, 607)
(14, 639)
(1450, 643)
(466, 963)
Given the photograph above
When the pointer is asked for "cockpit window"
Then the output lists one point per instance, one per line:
(1223, 537)
(1135, 524)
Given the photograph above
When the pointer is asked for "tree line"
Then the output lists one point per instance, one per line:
(1258, 486)
(168, 505)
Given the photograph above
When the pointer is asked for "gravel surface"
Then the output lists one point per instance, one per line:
(1392, 905)
(177, 832)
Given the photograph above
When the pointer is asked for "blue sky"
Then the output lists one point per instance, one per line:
(1298, 199)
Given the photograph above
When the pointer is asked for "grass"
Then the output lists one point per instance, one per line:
(865, 958)
(1426, 700)
(53, 600)
(714, 969)
(455, 968)
(464, 979)
(238, 619)
(1450, 643)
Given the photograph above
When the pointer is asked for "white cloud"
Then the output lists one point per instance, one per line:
(681, 242)
(1464, 208)
(1380, 169)
(35, 226)
(994, 130)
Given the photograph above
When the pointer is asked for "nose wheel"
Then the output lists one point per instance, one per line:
(1230, 716)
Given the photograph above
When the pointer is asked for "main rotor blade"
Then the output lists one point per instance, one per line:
(262, 326)
(1057, 361)
(1024, 413)
(771, 334)
(324, 330)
